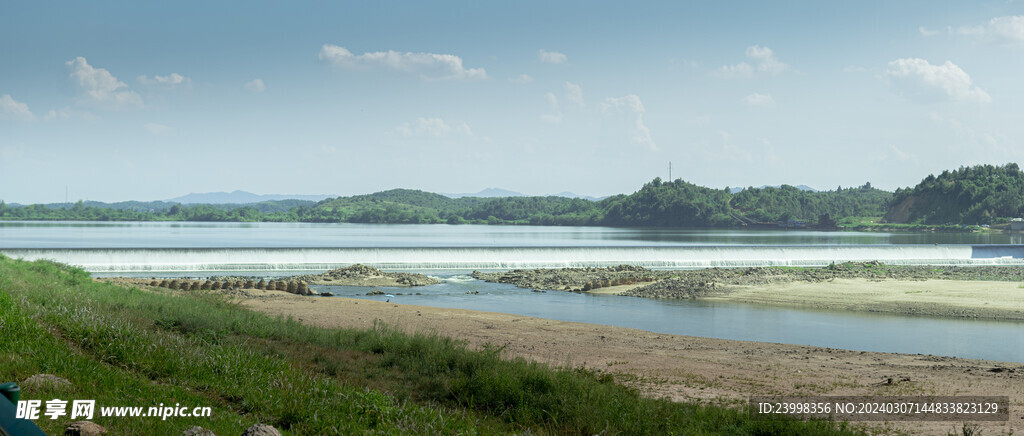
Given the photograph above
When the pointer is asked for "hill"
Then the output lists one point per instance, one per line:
(800, 187)
(669, 204)
(770, 204)
(239, 197)
(982, 194)
(665, 204)
(489, 193)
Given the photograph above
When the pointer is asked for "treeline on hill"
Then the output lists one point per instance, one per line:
(669, 204)
(982, 194)
(281, 211)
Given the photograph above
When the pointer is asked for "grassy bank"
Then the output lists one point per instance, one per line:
(135, 347)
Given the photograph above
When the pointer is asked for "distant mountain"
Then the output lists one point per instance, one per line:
(488, 193)
(800, 187)
(239, 197)
(568, 194)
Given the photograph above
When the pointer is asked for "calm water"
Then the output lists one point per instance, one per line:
(270, 249)
(993, 340)
(35, 234)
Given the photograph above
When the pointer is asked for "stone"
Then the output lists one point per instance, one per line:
(197, 431)
(44, 381)
(84, 428)
(261, 430)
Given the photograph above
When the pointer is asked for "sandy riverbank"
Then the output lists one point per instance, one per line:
(683, 367)
(945, 298)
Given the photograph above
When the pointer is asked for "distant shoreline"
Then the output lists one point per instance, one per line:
(910, 228)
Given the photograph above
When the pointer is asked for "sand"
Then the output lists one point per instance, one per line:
(685, 368)
(945, 298)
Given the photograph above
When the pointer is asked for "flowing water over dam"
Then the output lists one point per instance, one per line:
(199, 260)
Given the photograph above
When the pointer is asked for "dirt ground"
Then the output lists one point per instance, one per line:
(686, 368)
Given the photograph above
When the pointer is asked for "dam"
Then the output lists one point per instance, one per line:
(256, 259)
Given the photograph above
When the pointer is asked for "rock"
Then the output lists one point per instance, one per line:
(45, 381)
(261, 430)
(84, 428)
(326, 294)
(573, 279)
(197, 431)
(375, 292)
(362, 275)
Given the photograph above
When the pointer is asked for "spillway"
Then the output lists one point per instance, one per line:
(140, 260)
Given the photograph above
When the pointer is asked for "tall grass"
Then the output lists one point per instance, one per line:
(128, 346)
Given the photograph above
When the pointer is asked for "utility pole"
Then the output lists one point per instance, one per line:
(670, 171)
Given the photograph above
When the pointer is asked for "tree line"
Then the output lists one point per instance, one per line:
(665, 204)
(982, 194)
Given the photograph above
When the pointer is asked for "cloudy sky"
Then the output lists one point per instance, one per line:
(128, 100)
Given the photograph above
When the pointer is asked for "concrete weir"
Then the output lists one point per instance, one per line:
(115, 260)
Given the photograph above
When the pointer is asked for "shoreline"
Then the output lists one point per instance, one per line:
(974, 299)
(682, 368)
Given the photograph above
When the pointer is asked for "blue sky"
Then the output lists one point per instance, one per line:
(142, 101)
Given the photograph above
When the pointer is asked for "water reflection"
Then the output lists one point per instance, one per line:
(41, 234)
(995, 340)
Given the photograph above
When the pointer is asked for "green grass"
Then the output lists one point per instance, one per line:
(873, 223)
(128, 346)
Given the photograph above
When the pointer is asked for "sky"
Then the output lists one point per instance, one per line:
(114, 101)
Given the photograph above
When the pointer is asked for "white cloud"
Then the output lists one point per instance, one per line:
(551, 118)
(68, 113)
(1003, 30)
(551, 57)
(10, 153)
(901, 156)
(769, 151)
(556, 115)
(14, 110)
(919, 80)
(255, 85)
(764, 63)
(157, 129)
(172, 79)
(100, 87)
(550, 97)
(766, 60)
(522, 79)
(741, 70)
(631, 106)
(759, 100)
(429, 66)
(61, 114)
(574, 94)
(434, 128)
(963, 138)
(925, 32)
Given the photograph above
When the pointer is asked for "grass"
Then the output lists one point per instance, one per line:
(875, 224)
(130, 346)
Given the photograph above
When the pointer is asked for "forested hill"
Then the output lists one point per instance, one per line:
(664, 204)
(982, 194)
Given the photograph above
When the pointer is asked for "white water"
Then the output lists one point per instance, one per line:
(116, 260)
